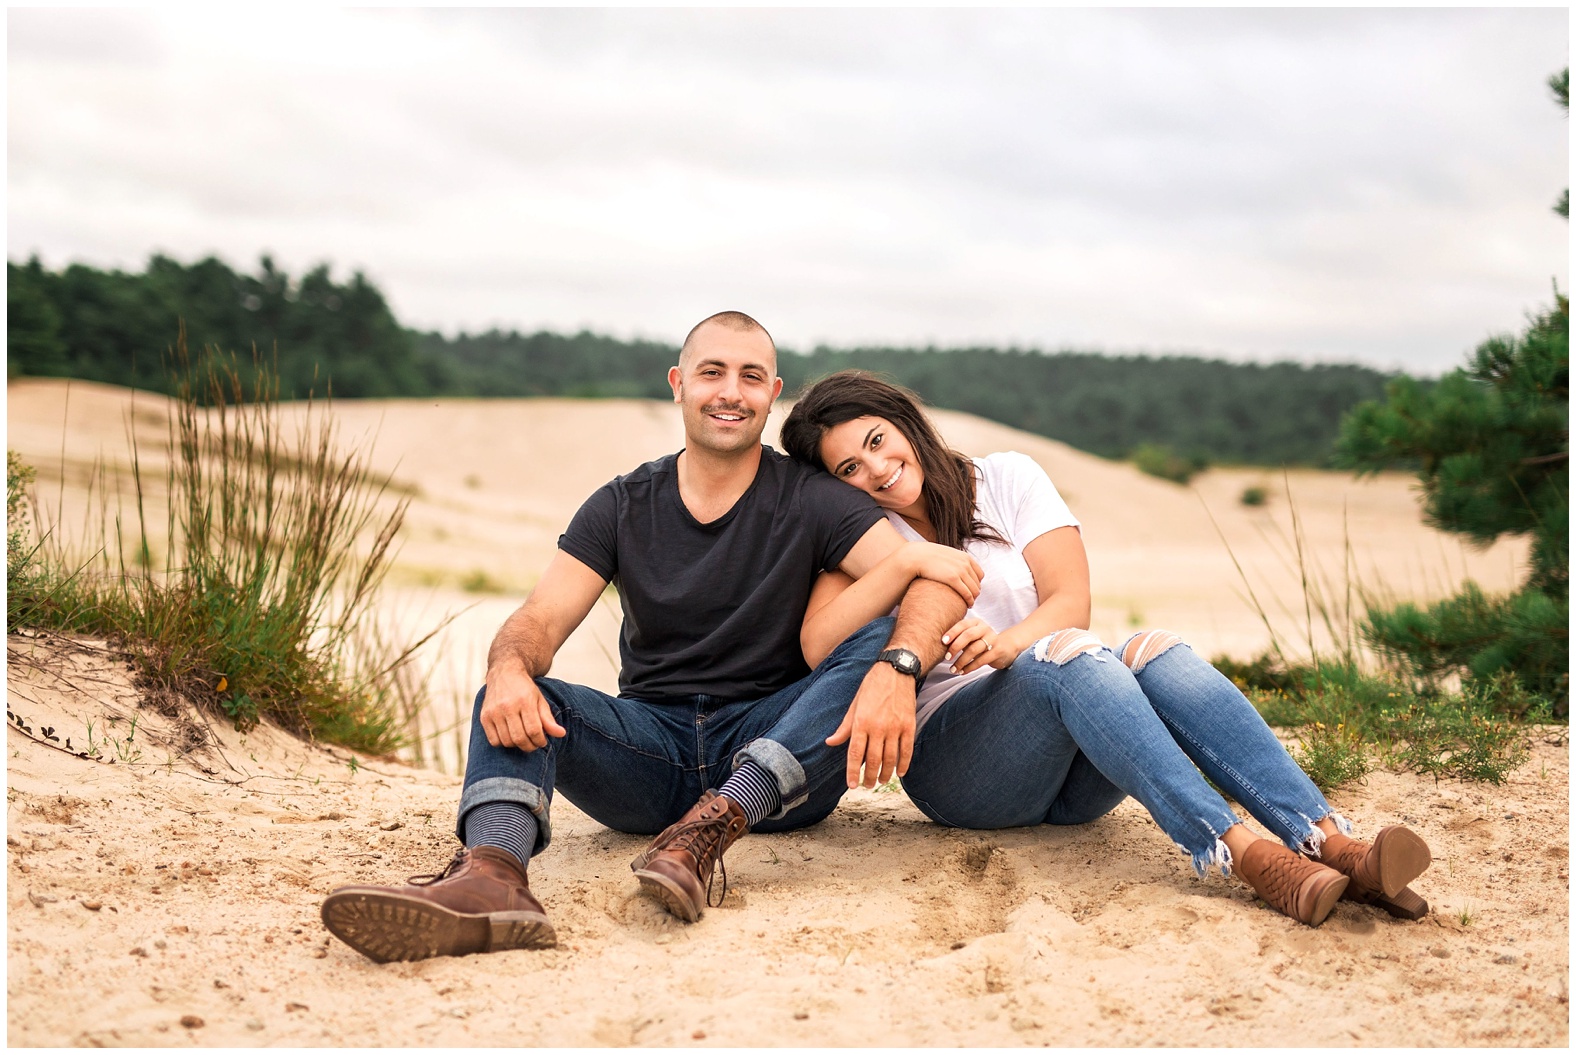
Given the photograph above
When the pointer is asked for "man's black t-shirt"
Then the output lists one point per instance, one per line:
(714, 609)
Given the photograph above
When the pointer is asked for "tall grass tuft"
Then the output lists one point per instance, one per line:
(1351, 710)
(21, 552)
(265, 605)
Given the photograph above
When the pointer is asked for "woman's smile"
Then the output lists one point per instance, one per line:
(873, 455)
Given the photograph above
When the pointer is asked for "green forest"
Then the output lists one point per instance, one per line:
(341, 338)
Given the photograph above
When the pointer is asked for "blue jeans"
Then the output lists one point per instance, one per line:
(637, 766)
(1044, 742)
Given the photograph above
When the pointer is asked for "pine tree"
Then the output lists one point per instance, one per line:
(1560, 85)
(1491, 442)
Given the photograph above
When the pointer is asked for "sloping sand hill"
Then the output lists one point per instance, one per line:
(492, 483)
(164, 890)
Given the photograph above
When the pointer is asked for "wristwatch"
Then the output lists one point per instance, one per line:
(904, 662)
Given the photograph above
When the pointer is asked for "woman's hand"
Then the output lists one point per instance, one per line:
(973, 643)
(948, 566)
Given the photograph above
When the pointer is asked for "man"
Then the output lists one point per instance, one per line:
(714, 551)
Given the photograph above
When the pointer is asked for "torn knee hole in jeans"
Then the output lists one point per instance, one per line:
(1064, 645)
(1141, 649)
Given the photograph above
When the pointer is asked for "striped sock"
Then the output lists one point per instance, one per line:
(506, 825)
(754, 790)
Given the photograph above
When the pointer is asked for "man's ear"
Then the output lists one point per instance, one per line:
(777, 389)
(676, 382)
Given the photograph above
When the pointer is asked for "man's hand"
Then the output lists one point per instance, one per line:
(514, 711)
(879, 727)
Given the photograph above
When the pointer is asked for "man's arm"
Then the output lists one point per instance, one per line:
(879, 725)
(840, 604)
(514, 712)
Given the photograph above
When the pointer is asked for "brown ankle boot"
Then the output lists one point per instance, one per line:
(1398, 856)
(677, 867)
(1302, 889)
(1408, 904)
(480, 903)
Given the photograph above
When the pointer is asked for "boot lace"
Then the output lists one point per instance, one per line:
(702, 838)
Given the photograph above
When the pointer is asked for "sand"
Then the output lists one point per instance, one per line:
(491, 484)
(161, 893)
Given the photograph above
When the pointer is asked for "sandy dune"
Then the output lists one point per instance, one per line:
(170, 896)
(492, 483)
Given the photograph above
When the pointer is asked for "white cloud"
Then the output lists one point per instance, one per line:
(1324, 185)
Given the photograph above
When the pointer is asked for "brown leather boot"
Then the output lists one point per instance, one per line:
(678, 865)
(1408, 904)
(480, 903)
(1302, 889)
(1380, 872)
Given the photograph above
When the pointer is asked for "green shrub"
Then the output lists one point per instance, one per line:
(1266, 672)
(41, 588)
(1159, 460)
(1523, 636)
(1456, 737)
(1332, 755)
(265, 608)
(478, 580)
(1348, 721)
(1491, 443)
(1254, 496)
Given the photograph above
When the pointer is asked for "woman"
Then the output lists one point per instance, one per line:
(1036, 721)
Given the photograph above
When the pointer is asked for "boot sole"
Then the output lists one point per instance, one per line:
(386, 927)
(673, 897)
(1403, 856)
(1325, 898)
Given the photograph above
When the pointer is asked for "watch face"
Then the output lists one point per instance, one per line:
(904, 660)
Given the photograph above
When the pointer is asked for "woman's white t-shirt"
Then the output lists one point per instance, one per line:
(1014, 496)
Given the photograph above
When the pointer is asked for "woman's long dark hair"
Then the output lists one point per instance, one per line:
(949, 476)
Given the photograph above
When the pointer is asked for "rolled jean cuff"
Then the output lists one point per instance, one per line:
(507, 789)
(793, 787)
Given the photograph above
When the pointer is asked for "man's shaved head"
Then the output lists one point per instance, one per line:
(731, 320)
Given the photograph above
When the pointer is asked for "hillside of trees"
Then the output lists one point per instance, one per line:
(116, 327)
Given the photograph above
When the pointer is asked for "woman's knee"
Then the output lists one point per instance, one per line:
(1048, 660)
(1062, 647)
(1147, 646)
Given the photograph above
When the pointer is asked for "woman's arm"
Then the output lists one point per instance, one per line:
(840, 604)
(1061, 582)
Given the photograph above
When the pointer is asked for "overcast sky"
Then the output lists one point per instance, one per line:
(1370, 186)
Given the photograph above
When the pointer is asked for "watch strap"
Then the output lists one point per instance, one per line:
(904, 662)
